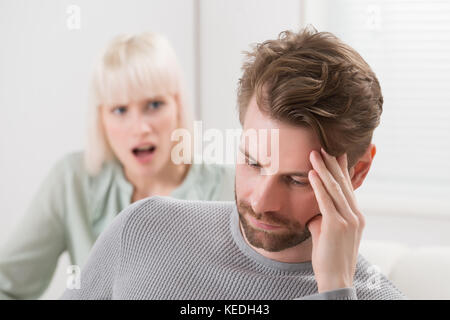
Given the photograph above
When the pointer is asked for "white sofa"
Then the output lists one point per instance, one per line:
(419, 272)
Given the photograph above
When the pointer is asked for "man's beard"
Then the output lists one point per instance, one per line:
(293, 233)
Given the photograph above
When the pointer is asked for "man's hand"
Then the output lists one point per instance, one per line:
(336, 233)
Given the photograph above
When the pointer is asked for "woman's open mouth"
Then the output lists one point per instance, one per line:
(144, 154)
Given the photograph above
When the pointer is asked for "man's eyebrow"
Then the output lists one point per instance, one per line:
(300, 174)
(245, 152)
(297, 174)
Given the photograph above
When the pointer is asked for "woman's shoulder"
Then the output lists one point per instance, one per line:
(70, 170)
(216, 179)
(70, 164)
(70, 179)
(212, 171)
(73, 163)
(60, 184)
(72, 160)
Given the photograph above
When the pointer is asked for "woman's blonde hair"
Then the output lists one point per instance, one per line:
(131, 68)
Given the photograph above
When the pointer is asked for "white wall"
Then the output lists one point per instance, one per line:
(227, 28)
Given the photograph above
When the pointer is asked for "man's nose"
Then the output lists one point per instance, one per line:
(265, 196)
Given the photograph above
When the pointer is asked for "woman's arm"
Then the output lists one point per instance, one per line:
(30, 254)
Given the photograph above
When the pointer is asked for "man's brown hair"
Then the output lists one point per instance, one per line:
(312, 79)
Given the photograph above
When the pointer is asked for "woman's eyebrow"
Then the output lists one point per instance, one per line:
(154, 97)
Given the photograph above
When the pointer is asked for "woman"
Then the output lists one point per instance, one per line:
(137, 101)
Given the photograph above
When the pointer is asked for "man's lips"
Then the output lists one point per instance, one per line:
(260, 225)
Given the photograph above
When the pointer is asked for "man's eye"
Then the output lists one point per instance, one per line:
(119, 110)
(153, 105)
(251, 163)
(295, 182)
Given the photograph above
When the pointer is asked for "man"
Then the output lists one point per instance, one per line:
(291, 234)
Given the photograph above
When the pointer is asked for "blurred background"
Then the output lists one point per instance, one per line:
(48, 48)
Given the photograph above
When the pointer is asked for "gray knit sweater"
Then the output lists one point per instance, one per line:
(164, 248)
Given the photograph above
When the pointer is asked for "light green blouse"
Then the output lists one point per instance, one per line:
(70, 210)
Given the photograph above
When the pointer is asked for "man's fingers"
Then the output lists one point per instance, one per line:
(349, 193)
(346, 184)
(332, 187)
(326, 205)
(338, 168)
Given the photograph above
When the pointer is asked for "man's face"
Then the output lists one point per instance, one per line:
(274, 209)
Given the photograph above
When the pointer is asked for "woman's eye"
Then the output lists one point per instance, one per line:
(154, 105)
(119, 110)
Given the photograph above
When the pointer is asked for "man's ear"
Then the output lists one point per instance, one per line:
(360, 170)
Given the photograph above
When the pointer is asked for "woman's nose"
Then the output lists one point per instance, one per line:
(145, 126)
(141, 125)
